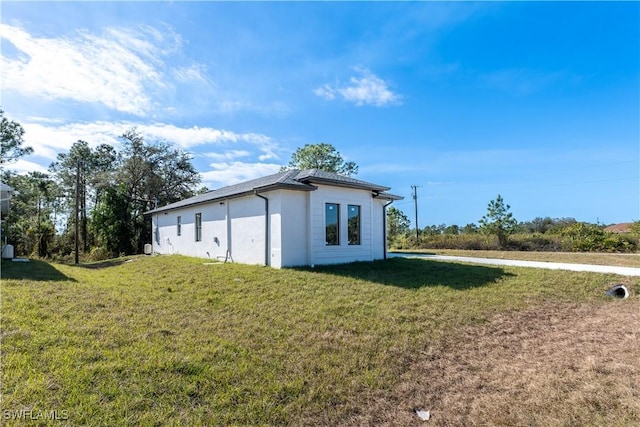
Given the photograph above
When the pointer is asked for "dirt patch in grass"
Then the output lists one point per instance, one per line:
(557, 364)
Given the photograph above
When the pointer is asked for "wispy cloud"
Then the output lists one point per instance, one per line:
(227, 155)
(119, 68)
(364, 89)
(193, 136)
(49, 138)
(192, 73)
(24, 166)
(227, 173)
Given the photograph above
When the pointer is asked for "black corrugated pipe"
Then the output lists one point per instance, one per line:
(384, 227)
(266, 227)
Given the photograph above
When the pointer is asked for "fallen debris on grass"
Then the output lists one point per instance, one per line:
(423, 415)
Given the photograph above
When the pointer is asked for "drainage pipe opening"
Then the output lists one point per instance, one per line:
(618, 291)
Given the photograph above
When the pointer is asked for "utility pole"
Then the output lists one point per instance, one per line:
(76, 257)
(415, 202)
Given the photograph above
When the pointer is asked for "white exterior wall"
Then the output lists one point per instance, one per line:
(243, 234)
(296, 228)
(371, 239)
(379, 240)
(247, 229)
(293, 217)
(214, 224)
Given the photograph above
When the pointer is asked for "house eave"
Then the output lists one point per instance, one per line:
(387, 196)
(343, 184)
(261, 189)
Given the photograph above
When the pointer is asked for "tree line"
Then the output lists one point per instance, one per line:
(95, 196)
(499, 230)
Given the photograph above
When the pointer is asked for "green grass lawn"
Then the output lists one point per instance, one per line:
(171, 340)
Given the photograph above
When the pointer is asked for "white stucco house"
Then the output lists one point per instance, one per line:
(292, 218)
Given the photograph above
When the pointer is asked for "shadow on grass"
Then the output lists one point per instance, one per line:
(101, 264)
(36, 270)
(417, 273)
(411, 251)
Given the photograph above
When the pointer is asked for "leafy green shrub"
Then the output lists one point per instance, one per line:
(619, 243)
(460, 241)
(583, 237)
(537, 242)
(401, 241)
(592, 238)
(99, 253)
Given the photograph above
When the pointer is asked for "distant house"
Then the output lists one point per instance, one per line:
(6, 192)
(623, 227)
(292, 218)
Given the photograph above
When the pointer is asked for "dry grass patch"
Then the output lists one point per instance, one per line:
(553, 365)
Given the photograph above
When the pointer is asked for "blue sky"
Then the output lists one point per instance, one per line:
(536, 101)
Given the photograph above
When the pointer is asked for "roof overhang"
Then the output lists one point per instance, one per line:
(344, 184)
(387, 196)
(224, 197)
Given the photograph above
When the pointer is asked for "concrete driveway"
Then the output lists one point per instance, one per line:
(623, 271)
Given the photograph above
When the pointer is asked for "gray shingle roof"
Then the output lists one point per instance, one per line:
(323, 177)
(301, 180)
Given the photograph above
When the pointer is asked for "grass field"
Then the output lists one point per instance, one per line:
(170, 340)
(621, 260)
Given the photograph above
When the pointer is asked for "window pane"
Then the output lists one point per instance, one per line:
(354, 225)
(179, 225)
(332, 223)
(198, 227)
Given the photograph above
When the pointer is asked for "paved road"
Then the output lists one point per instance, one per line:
(624, 271)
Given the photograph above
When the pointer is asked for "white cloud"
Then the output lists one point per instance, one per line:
(226, 173)
(325, 91)
(228, 155)
(49, 138)
(22, 166)
(192, 73)
(120, 68)
(365, 89)
(190, 137)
